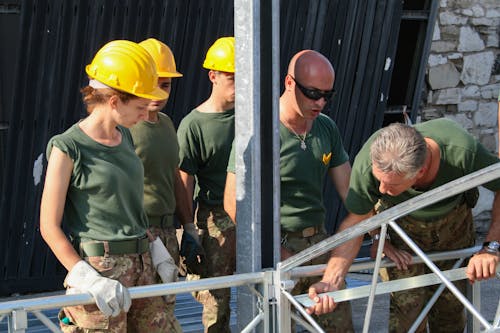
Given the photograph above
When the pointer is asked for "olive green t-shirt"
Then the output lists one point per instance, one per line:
(105, 193)
(461, 154)
(303, 171)
(156, 145)
(205, 141)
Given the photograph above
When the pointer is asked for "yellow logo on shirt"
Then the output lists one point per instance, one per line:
(327, 158)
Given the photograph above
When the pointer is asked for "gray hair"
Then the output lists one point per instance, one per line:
(399, 148)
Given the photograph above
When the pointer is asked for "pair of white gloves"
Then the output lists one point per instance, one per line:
(110, 295)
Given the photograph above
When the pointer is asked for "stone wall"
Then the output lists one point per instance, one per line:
(463, 75)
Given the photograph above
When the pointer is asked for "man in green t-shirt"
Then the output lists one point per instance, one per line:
(400, 162)
(155, 142)
(205, 136)
(311, 148)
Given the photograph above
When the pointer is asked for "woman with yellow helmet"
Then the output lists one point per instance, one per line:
(95, 179)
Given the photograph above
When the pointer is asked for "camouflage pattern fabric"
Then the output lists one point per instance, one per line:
(218, 238)
(145, 314)
(454, 231)
(338, 321)
(169, 237)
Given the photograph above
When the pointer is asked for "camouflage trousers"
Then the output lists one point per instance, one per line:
(454, 231)
(169, 238)
(218, 238)
(338, 321)
(145, 314)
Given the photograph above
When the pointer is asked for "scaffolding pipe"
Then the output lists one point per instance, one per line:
(362, 264)
(438, 272)
(371, 297)
(431, 302)
(388, 287)
(303, 312)
(299, 320)
(251, 325)
(47, 322)
(52, 302)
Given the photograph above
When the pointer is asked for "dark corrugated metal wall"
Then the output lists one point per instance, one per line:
(359, 37)
(59, 37)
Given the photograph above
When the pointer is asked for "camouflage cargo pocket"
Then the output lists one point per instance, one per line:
(82, 318)
(441, 234)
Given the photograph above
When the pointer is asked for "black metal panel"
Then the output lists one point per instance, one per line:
(358, 37)
(59, 37)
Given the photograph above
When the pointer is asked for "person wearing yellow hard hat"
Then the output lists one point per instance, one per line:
(205, 137)
(95, 179)
(155, 142)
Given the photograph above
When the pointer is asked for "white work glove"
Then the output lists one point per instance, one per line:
(191, 229)
(163, 261)
(110, 295)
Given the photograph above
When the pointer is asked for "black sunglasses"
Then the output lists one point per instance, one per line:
(313, 93)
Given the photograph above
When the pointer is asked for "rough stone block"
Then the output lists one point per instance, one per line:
(489, 141)
(492, 38)
(469, 105)
(437, 59)
(443, 76)
(447, 96)
(493, 12)
(490, 91)
(486, 114)
(476, 11)
(471, 91)
(484, 21)
(450, 33)
(454, 56)
(470, 40)
(477, 68)
(449, 18)
(443, 47)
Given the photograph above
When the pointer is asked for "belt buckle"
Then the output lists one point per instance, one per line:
(309, 232)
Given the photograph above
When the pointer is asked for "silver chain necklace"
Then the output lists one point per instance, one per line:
(302, 139)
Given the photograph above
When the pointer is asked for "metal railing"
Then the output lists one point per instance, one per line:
(273, 297)
(382, 220)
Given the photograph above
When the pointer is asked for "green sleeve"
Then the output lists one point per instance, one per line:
(231, 164)
(188, 147)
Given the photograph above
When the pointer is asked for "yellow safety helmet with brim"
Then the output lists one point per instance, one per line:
(128, 67)
(163, 57)
(220, 56)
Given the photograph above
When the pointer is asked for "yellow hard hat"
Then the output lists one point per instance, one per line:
(163, 57)
(126, 66)
(220, 56)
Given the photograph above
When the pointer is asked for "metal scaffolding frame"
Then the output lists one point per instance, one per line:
(273, 283)
(383, 219)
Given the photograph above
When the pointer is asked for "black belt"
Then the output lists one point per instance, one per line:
(101, 248)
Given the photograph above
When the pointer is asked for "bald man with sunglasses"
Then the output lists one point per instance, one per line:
(311, 148)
